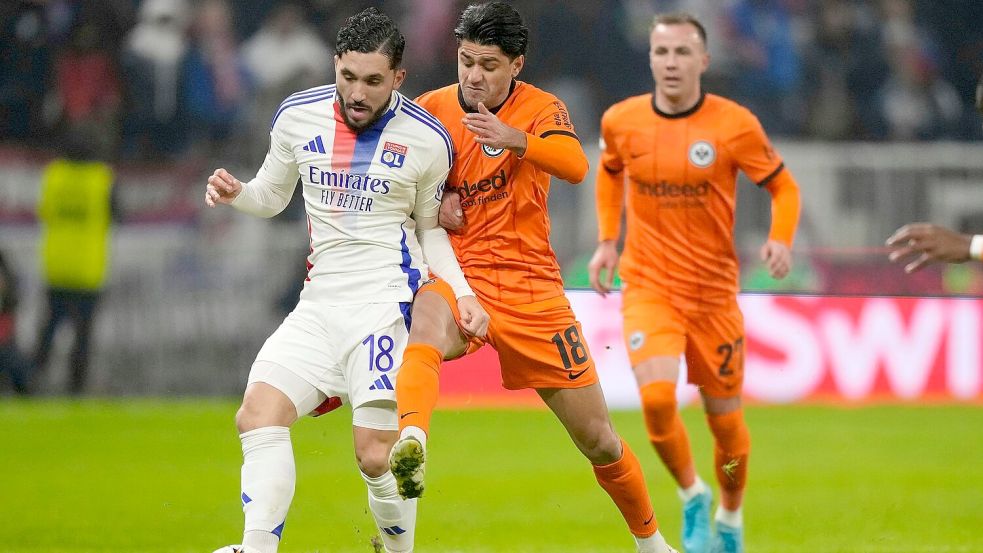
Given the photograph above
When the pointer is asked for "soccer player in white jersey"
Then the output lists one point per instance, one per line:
(373, 166)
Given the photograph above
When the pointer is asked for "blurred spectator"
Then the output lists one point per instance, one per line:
(284, 56)
(76, 211)
(25, 53)
(11, 360)
(152, 58)
(88, 92)
(915, 102)
(768, 64)
(216, 85)
(846, 63)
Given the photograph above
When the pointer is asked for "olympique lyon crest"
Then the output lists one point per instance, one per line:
(393, 155)
(702, 154)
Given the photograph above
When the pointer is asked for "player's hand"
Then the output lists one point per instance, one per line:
(491, 131)
(931, 243)
(474, 318)
(451, 214)
(777, 257)
(222, 188)
(602, 265)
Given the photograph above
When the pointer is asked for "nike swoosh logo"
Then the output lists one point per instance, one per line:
(404, 415)
(576, 375)
(651, 517)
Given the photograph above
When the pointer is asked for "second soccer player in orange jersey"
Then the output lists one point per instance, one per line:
(509, 137)
(674, 155)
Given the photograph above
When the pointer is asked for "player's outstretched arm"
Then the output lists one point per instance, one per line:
(932, 244)
(222, 188)
(602, 266)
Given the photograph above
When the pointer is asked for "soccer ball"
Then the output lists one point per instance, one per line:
(231, 549)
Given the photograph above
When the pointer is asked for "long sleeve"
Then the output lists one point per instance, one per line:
(270, 191)
(559, 155)
(785, 207)
(610, 186)
(434, 243)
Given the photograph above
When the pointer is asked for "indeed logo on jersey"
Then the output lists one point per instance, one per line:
(351, 181)
(484, 190)
(672, 190)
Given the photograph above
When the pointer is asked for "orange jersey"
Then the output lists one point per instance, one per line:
(681, 172)
(504, 248)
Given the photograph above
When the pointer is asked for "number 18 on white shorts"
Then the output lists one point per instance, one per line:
(352, 352)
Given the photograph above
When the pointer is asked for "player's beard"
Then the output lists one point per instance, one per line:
(367, 124)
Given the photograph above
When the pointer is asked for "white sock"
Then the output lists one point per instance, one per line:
(698, 487)
(652, 544)
(395, 516)
(416, 432)
(268, 479)
(730, 518)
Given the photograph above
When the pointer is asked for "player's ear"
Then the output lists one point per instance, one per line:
(517, 64)
(399, 78)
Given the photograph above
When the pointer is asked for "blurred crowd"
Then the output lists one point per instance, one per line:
(168, 79)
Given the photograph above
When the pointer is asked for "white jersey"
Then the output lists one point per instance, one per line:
(361, 192)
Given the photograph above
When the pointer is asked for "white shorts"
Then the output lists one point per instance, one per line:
(351, 352)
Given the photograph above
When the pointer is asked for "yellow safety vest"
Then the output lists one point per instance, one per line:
(74, 211)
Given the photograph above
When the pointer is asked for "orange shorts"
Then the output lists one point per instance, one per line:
(539, 345)
(713, 341)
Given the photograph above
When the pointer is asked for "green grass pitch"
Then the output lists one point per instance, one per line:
(163, 476)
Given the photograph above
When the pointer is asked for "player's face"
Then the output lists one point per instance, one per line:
(365, 85)
(678, 58)
(485, 73)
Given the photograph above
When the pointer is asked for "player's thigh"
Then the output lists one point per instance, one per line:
(541, 346)
(655, 337)
(376, 338)
(435, 319)
(715, 352)
(293, 361)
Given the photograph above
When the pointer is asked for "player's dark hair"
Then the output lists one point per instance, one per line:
(680, 18)
(494, 24)
(371, 31)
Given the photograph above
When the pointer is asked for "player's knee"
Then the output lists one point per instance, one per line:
(373, 460)
(253, 414)
(603, 446)
(659, 406)
(248, 417)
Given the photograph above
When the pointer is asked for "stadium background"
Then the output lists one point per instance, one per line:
(870, 103)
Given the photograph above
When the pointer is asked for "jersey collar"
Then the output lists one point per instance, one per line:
(696, 107)
(469, 109)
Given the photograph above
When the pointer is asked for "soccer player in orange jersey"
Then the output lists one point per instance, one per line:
(671, 157)
(509, 138)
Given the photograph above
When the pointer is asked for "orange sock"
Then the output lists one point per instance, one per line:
(732, 445)
(666, 431)
(625, 483)
(418, 385)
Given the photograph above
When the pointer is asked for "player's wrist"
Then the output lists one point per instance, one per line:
(976, 247)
